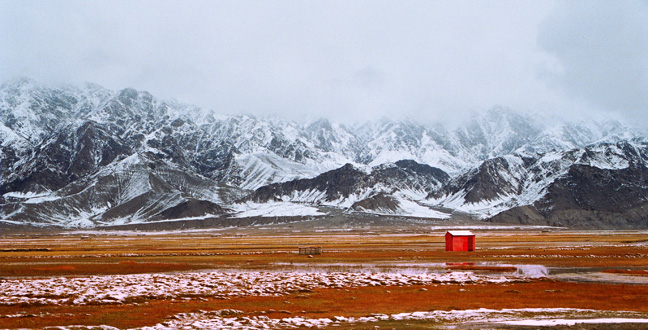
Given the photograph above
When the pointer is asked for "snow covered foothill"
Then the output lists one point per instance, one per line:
(409, 208)
(263, 168)
(275, 209)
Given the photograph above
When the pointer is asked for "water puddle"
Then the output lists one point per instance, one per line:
(533, 271)
(384, 268)
(596, 275)
(484, 268)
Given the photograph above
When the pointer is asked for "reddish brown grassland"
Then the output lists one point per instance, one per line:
(622, 253)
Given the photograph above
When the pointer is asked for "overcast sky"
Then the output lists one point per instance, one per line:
(346, 60)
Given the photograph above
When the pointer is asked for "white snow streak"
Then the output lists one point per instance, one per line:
(275, 209)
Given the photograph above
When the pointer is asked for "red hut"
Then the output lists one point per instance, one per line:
(460, 240)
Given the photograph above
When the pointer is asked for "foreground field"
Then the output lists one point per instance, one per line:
(387, 279)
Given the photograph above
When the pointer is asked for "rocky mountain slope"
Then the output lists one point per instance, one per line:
(601, 185)
(390, 188)
(88, 156)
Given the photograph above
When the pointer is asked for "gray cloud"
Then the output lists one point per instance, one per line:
(349, 60)
(602, 53)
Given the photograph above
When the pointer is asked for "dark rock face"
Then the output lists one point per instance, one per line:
(213, 162)
(589, 197)
(410, 174)
(71, 146)
(380, 202)
(334, 184)
(65, 158)
(93, 148)
(190, 209)
(522, 215)
(492, 179)
(134, 190)
(348, 180)
(599, 186)
(590, 188)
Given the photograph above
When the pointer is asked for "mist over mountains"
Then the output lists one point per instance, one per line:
(91, 157)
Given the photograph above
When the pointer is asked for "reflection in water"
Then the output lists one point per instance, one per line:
(403, 268)
(532, 270)
(406, 269)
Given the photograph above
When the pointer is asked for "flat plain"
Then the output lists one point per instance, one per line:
(365, 279)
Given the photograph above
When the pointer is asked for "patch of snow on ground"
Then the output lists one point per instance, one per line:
(545, 323)
(234, 319)
(120, 289)
(117, 289)
(414, 209)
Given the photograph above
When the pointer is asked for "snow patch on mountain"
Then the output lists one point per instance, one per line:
(274, 209)
(410, 208)
(263, 168)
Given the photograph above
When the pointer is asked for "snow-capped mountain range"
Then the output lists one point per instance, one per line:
(88, 156)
